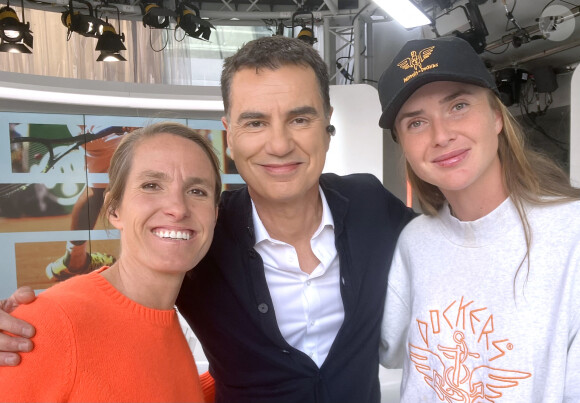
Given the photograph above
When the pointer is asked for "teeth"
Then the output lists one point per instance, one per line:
(173, 234)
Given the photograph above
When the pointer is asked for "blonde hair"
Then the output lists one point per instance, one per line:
(529, 176)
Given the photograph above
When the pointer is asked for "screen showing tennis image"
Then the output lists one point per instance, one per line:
(53, 176)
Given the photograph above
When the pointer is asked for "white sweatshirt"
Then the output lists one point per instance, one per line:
(460, 326)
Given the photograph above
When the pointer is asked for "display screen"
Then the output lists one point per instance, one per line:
(53, 173)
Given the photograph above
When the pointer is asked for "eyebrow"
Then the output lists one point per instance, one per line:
(456, 94)
(446, 99)
(301, 110)
(152, 175)
(193, 180)
(251, 116)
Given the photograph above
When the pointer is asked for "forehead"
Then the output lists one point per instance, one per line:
(440, 90)
(169, 150)
(289, 83)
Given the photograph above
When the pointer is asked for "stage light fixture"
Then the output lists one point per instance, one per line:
(306, 33)
(189, 19)
(15, 36)
(83, 24)
(155, 15)
(110, 44)
(477, 32)
(110, 57)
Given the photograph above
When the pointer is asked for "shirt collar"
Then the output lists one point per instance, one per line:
(262, 234)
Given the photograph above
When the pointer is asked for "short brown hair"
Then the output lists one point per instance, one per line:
(273, 52)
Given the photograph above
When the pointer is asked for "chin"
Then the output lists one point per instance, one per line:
(176, 267)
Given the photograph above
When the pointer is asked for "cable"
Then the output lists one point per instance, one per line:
(151, 40)
(343, 70)
(360, 11)
(499, 53)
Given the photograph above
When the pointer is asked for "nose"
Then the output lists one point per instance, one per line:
(176, 205)
(441, 133)
(280, 141)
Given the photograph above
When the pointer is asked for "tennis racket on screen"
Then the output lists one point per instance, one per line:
(45, 153)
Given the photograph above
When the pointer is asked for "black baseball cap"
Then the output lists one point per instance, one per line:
(422, 61)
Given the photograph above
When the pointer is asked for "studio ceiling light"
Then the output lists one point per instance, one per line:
(155, 15)
(110, 44)
(83, 24)
(189, 19)
(405, 12)
(306, 33)
(15, 36)
(477, 32)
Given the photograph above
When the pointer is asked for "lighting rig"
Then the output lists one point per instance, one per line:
(15, 36)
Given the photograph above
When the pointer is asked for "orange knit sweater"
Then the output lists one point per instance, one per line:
(94, 344)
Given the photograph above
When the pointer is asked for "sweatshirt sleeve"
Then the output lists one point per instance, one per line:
(572, 388)
(397, 314)
(48, 371)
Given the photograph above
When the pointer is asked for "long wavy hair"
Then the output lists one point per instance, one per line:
(528, 175)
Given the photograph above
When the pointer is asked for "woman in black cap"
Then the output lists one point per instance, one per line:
(483, 300)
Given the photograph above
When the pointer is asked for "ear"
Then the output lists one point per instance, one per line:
(328, 137)
(498, 121)
(227, 127)
(113, 216)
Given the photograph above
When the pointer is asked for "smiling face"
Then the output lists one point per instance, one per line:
(277, 132)
(449, 135)
(168, 210)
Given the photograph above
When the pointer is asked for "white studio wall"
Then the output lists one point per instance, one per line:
(357, 145)
(575, 128)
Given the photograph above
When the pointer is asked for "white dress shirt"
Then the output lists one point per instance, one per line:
(308, 307)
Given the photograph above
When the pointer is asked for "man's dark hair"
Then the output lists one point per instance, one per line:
(273, 52)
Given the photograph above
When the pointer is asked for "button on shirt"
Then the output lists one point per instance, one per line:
(309, 308)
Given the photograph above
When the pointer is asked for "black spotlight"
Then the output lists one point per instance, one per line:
(477, 32)
(15, 36)
(155, 15)
(306, 33)
(83, 24)
(110, 44)
(188, 19)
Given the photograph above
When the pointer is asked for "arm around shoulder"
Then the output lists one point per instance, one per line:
(14, 332)
(50, 364)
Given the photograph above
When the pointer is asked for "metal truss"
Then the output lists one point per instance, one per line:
(346, 31)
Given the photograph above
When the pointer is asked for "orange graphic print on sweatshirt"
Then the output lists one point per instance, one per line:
(455, 372)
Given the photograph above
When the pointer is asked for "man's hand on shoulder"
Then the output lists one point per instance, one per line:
(18, 341)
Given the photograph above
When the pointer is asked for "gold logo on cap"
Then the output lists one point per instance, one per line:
(415, 61)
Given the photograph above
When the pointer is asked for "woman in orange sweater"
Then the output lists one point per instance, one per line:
(113, 334)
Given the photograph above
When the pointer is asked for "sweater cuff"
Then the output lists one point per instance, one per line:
(207, 387)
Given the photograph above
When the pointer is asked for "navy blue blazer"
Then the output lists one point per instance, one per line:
(226, 301)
